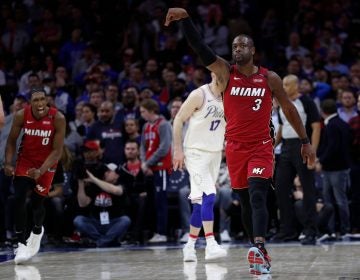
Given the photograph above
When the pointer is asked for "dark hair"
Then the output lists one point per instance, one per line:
(36, 90)
(328, 106)
(132, 141)
(91, 107)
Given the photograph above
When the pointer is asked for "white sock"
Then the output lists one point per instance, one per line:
(210, 240)
(191, 242)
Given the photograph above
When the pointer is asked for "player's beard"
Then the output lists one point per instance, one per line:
(242, 59)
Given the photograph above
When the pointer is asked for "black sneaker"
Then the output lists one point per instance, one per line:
(308, 240)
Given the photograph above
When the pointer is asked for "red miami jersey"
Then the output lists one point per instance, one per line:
(247, 106)
(152, 143)
(37, 140)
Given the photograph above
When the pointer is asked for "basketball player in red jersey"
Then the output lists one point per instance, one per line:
(41, 147)
(247, 92)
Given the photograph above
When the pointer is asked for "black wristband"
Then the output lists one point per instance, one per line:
(305, 141)
(206, 54)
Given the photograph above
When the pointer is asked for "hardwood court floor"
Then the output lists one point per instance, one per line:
(339, 261)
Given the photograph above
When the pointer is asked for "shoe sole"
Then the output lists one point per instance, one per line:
(218, 256)
(20, 261)
(256, 261)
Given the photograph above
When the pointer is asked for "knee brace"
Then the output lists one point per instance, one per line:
(195, 219)
(207, 208)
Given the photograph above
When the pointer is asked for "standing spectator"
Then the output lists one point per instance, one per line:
(105, 198)
(347, 109)
(334, 160)
(109, 133)
(136, 185)
(34, 169)
(290, 163)
(132, 130)
(156, 160)
(355, 170)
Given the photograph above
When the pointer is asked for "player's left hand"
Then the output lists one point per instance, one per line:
(308, 155)
(34, 173)
(178, 160)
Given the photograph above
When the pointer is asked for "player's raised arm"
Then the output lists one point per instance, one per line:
(212, 62)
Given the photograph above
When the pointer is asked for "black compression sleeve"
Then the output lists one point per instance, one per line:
(206, 54)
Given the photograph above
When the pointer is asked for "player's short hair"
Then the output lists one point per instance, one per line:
(36, 90)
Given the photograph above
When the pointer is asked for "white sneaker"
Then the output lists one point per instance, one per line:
(224, 236)
(215, 272)
(27, 272)
(33, 242)
(189, 254)
(22, 253)
(184, 238)
(157, 238)
(214, 251)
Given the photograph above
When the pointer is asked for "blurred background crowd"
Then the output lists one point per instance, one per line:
(99, 60)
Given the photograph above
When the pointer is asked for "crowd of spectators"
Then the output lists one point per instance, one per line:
(99, 60)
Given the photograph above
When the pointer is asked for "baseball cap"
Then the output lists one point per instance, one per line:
(112, 166)
(91, 145)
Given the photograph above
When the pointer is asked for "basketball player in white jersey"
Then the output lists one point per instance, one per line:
(201, 153)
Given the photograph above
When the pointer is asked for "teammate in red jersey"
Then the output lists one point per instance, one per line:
(247, 92)
(41, 147)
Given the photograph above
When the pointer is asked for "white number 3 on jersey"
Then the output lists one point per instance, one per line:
(257, 104)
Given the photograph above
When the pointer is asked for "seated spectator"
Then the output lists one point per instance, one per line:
(324, 212)
(106, 223)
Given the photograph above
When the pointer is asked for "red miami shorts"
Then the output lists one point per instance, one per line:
(43, 183)
(249, 159)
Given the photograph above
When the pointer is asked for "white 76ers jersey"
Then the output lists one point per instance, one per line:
(206, 128)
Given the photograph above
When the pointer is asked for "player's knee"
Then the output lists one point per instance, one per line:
(258, 188)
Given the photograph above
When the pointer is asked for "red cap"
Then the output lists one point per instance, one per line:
(92, 145)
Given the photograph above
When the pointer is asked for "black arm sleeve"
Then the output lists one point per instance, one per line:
(206, 54)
